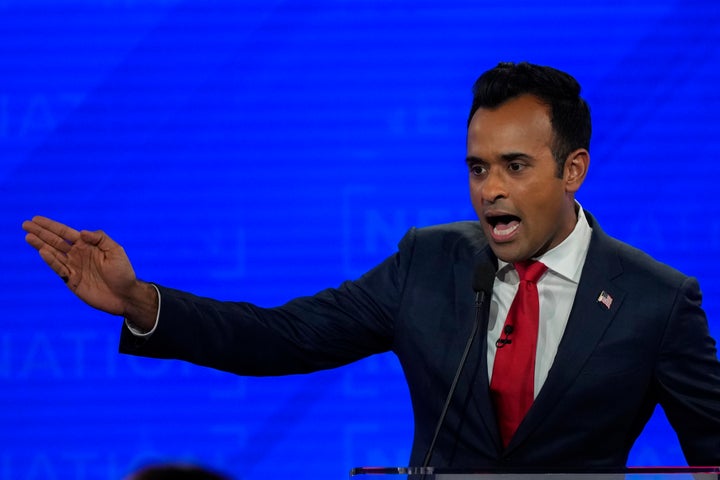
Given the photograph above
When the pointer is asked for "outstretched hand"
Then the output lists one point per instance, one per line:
(93, 266)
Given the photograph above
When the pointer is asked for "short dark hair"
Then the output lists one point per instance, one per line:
(172, 471)
(569, 113)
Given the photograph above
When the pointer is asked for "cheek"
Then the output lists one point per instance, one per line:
(538, 203)
(543, 213)
(475, 192)
(543, 196)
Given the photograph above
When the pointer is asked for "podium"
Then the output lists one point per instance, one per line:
(629, 473)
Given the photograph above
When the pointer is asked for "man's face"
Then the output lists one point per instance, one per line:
(524, 207)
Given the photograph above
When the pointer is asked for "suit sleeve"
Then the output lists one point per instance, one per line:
(332, 328)
(688, 378)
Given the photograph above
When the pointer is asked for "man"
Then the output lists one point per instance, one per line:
(614, 332)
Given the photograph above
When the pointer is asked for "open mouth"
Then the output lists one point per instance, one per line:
(503, 226)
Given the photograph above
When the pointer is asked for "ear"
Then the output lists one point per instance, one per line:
(576, 167)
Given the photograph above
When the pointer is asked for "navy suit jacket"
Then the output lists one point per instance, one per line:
(613, 366)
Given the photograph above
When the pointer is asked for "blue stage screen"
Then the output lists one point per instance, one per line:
(261, 150)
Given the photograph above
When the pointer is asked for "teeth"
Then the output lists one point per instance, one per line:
(505, 231)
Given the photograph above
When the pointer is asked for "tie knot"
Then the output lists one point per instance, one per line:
(530, 270)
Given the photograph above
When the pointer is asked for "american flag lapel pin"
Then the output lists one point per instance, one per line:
(605, 298)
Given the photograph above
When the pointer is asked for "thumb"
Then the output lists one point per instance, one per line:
(97, 238)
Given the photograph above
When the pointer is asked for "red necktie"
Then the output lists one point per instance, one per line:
(513, 374)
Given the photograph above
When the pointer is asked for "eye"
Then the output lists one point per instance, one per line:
(478, 170)
(516, 166)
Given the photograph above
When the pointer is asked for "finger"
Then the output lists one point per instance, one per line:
(55, 262)
(38, 243)
(57, 228)
(54, 234)
(33, 240)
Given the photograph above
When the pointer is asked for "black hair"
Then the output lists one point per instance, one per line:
(569, 113)
(176, 472)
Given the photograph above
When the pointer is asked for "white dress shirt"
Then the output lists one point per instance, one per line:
(556, 291)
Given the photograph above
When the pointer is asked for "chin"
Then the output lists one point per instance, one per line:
(501, 253)
(508, 254)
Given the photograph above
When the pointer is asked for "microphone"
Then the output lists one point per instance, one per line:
(482, 285)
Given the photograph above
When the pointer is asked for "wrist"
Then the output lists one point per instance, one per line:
(141, 306)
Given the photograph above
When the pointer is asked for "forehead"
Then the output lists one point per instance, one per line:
(518, 124)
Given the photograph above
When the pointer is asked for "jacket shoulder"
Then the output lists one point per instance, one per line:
(631, 260)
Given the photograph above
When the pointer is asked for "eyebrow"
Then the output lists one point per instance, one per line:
(472, 160)
(510, 156)
(505, 157)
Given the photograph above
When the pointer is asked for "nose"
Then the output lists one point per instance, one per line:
(493, 187)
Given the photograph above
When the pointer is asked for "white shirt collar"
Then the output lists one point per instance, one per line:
(567, 258)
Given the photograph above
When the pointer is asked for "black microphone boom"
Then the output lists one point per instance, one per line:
(482, 284)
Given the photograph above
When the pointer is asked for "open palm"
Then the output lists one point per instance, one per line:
(92, 265)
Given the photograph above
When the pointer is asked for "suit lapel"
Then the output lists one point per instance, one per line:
(596, 302)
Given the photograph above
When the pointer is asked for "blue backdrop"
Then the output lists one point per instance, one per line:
(260, 150)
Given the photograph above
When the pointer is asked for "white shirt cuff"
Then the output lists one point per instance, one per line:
(139, 333)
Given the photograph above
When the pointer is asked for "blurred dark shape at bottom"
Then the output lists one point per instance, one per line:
(176, 471)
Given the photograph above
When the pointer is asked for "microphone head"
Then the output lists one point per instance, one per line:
(484, 277)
